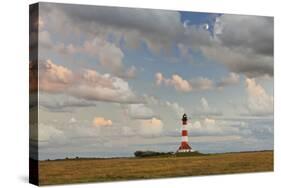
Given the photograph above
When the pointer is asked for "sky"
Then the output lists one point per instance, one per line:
(115, 80)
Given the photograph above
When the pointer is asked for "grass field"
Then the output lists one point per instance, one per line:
(97, 170)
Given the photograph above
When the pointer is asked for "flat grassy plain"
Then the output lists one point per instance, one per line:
(99, 170)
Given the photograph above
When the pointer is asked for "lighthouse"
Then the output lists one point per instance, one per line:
(184, 147)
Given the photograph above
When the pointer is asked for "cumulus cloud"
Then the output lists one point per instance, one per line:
(159, 78)
(202, 83)
(183, 85)
(176, 81)
(133, 25)
(47, 132)
(196, 84)
(249, 32)
(231, 79)
(108, 54)
(63, 103)
(175, 107)
(241, 61)
(88, 85)
(101, 121)
(244, 44)
(259, 101)
(205, 104)
(104, 87)
(241, 134)
(130, 73)
(179, 83)
(151, 127)
(54, 78)
(139, 111)
(205, 110)
(213, 127)
(179, 110)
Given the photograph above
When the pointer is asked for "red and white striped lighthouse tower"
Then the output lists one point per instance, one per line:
(184, 147)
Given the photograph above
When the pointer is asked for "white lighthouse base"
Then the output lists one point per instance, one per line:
(185, 150)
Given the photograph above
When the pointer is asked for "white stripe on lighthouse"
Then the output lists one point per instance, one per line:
(184, 127)
(184, 139)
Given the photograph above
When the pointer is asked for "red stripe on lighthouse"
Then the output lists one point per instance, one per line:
(184, 133)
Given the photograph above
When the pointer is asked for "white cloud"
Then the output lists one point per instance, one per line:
(151, 127)
(205, 109)
(131, 72)
(54, 78)
(88, 85)
(183, 85)
(202, 83)
(104, 87)
(259, 101)
(159, 78)
(204, 104)
(109, 55)
(140, 111)
(210, 126)
(179, 83)
(179, 110)
(176, 81)
(101, 121)
(47, 133)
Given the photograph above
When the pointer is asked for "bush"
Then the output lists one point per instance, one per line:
(151, 153)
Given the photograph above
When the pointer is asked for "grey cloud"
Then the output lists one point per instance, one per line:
(244, 44)
(241, 60)
(63, 103)
(129, 18)
(253, 32)
(231, 79)
(133, 25)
